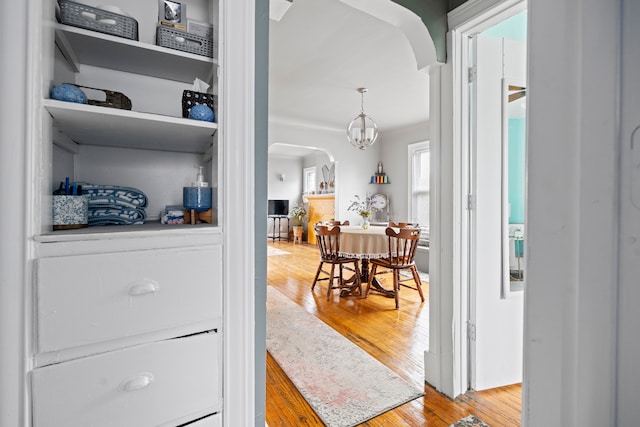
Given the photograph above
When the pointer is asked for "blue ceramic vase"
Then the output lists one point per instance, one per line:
(201, 112)
(197, 198)
(69, 93)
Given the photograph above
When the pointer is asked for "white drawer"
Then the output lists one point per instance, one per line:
(87, 299)
(214, 420)
(164, 383)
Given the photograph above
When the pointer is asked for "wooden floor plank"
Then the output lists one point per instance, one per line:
(397, 338)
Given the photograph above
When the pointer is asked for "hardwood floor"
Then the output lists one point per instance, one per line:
(397, 338)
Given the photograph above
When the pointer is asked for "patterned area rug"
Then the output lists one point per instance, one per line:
(271, 251)
(343, 384)
(470, 421)
(424, 277)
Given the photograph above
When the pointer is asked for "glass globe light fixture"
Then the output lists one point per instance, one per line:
(362, 132)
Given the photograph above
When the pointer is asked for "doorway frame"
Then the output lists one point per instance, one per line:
(470, 18)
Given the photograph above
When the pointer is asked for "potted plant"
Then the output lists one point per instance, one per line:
(298, 213)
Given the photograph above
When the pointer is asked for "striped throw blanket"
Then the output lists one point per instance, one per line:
(113, 204)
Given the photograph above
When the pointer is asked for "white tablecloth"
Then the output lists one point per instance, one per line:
(363, 243)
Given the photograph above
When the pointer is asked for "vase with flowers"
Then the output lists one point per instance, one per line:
(364, 208)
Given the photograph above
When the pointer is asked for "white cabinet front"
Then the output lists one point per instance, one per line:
(88, 299)
(165, 383)
(210, 421)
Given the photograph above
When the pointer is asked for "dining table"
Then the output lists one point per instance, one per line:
(364, 244)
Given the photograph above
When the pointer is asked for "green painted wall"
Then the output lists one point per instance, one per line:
(455, 3)
(516, 168)
(514, 28)
(434, 15)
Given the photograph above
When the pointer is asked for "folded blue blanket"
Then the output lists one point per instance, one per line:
(116, 216)
(114, 196)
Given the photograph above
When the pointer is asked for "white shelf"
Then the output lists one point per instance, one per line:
(82, 46)
(113, 127)
(118, 238)
(152, 228)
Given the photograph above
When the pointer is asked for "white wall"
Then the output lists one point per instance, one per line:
(628, 346)
(394, 158)
(126, 167)
(354, 168)
(14, 276)
(572, 215)
(289, 189)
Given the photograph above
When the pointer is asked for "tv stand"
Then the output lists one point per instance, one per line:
(277, 231)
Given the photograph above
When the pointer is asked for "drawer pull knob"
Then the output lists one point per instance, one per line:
(137, 382)
(143, 287)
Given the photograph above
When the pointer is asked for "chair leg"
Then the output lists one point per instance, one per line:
(315, 279)
(333, 266)
(416, 278)
(396, 286)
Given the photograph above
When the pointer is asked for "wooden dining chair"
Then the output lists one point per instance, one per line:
(403, 224)
(328, 238)
(338, 223)
(400, 256)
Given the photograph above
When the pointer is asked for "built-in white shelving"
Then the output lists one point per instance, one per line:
(82, 46)
(113, 127)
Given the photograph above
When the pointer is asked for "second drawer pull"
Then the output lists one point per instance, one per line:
(143, 287)
(137, 382)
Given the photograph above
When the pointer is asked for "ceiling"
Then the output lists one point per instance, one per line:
(320, 52)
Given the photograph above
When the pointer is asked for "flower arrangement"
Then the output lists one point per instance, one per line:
(298, 213)
(364, 208)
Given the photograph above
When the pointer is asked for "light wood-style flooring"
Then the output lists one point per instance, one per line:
(397, 338)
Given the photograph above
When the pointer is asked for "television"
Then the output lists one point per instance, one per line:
(278, 207)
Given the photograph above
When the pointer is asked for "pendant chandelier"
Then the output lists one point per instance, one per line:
(362, 132)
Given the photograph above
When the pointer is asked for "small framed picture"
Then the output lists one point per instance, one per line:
(172, 12)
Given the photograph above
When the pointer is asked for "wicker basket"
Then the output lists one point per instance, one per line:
(91, 18)
(191, 98)
(113, 100)
(186, 42)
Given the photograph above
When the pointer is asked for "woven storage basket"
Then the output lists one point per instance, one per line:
(91, 18)
(191, 98)
(186, 42)
(113, 99)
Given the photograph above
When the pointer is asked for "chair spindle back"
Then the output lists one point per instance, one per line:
(402, 245)
(328, 241)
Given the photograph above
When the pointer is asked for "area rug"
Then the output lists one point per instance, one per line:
(343, 384)
(271, 251)
(424, 277)
(470, 421)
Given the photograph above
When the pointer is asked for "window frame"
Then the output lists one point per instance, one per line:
(412, 150)
(305, 179)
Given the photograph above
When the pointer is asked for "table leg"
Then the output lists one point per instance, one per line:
(364, 277)
(375, 284)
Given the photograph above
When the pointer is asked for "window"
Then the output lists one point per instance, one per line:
(419, 169)
(309, 180)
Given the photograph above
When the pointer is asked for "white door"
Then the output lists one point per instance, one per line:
(495, 312)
